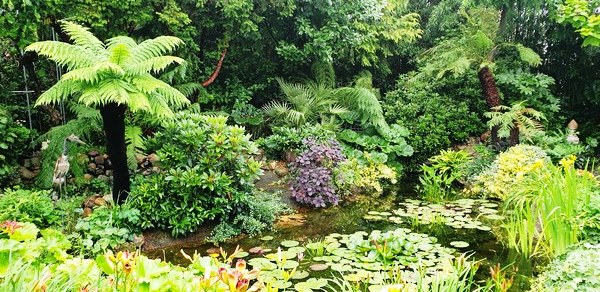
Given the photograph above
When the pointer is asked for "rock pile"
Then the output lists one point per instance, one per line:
(30, 167)
(98, 166)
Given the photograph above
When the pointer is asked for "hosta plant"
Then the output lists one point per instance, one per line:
(313, 182)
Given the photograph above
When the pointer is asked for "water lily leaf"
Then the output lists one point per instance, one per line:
(319, 267)
(459, 244)
(266, 238)
(289, 243)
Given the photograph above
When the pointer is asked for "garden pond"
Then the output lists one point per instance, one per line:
(358, 240)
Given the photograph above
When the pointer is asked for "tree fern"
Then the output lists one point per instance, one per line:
(525, 121)
(113, 76)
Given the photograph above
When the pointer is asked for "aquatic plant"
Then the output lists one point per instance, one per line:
(313, 182)
(442, 173)
(547, 206)
(364, 175)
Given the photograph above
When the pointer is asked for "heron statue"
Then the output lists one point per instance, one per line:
(61, 167)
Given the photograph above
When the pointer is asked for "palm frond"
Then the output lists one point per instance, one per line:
(291, 89)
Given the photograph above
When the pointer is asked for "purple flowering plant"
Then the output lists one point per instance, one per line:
(312, 182)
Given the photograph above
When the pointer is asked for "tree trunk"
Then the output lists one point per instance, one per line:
(491, 94)
(514, 135)
(113, 119)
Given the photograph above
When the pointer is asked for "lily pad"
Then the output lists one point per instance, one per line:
(241, 254)
(289, 243)
(266, 238)
(459, 244)
(319, 267)
(299, 275)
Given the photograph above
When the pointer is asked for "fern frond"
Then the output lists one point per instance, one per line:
(70, 56)
(119, 54)
(93, 74)
(528, 55)
(154, 65)
(121, 40)
(154, 48)
(189, 89)
(81, 36)
(364, 102)
(291, 89)
(58, 92)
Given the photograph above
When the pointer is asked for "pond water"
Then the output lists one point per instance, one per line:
(307, 225)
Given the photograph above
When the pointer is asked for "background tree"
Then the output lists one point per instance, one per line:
(114, 76)
(477, 45)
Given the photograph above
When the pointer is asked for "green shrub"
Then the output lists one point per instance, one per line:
(29, 206)
(508, 170)
(208, 173)
(106, 229)
(258, 215)
(290, 139)
(577, 270)
(434, 121)
(364, 175)
(13, 143)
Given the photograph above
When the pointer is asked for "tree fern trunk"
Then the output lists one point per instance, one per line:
(113, 119)
(514, 135)
(491, 94)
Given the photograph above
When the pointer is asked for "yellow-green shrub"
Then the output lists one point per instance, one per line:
(509, 168)
(364, 174)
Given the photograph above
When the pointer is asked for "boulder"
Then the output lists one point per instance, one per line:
(26, 174)
(153, 158)
(87, 212)
(88, 177)
(93, 153)
(99, 159)
(99, 201)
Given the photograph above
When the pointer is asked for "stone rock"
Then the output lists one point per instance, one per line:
(265, 166)
(155, 169)
(153, 158)
(26, 173)
(89, 202)
(87, 212)
(88, 177)
(281, 170)
(290, 156)
(99, 159)
(103, 177)
(108, 172)
(272, 164)
(140, 158)
(27, 163)
(99, 201)
(108, 198)
(107, 163)
(93, 153)
(92, 166)
(35, 162)
(105, 156)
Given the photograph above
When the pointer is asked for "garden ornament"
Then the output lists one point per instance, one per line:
(572, 135)
(61, 167)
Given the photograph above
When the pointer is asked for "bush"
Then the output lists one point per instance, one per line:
(312, 171)
(29, 206)
(364, 174)
(290, 139)
(209, 172)
(508, 170)
(13, 143)
(257, 216)
(435, 121)
(577, 270)
(106, 229)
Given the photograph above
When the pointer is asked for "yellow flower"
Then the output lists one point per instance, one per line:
(568, 161)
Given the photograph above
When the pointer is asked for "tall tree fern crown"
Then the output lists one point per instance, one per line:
(117, 71)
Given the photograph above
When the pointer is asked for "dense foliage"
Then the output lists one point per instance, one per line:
(208, 173)
(12, 145)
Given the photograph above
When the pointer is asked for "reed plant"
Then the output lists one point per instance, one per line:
(544, 214)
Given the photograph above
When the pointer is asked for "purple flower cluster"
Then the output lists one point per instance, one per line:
(313, 170)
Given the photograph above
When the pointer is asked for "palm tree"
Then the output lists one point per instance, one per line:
(113, 76)
(514, 121)
(476, 45)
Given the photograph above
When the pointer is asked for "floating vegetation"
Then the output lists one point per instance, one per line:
(459, 244)
(459, 214)
(266, 238)
(289, 243)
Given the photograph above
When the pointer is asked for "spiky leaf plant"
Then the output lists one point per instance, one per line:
(113, 76)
